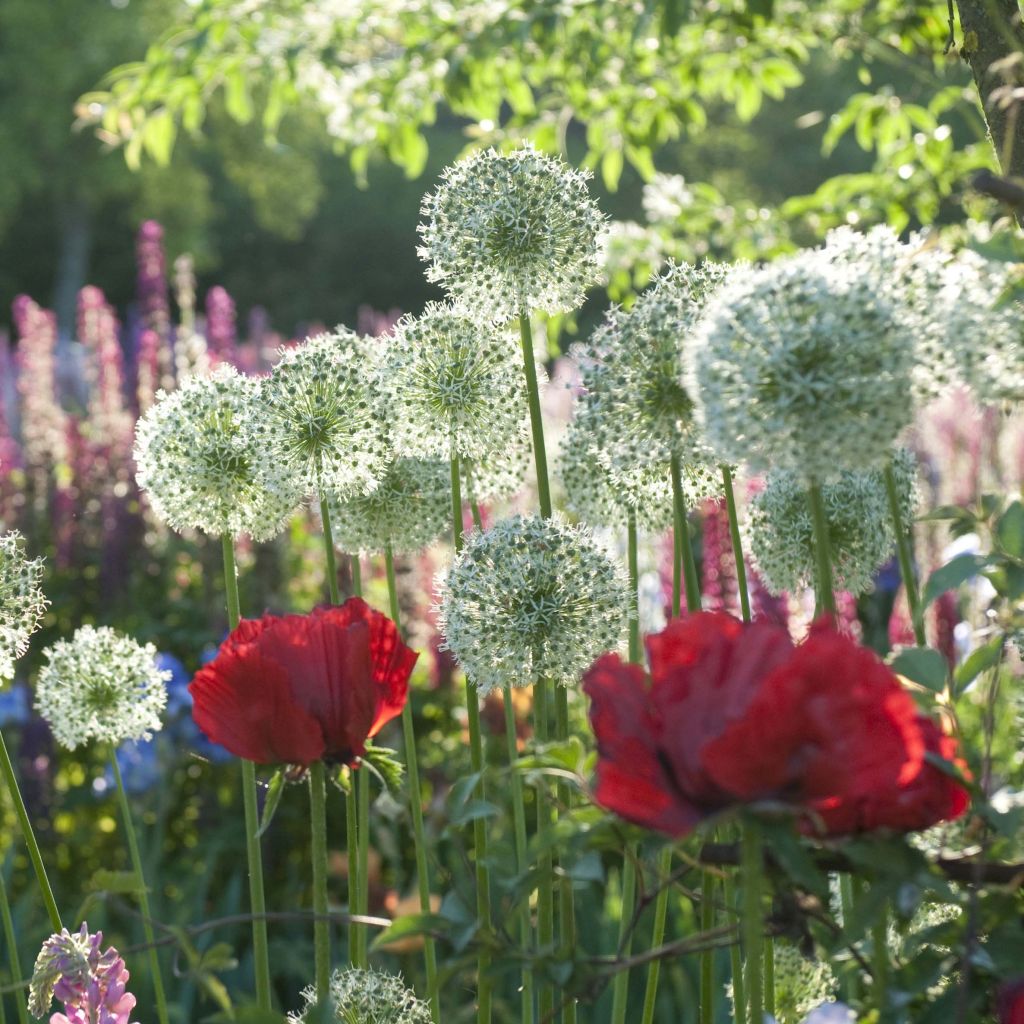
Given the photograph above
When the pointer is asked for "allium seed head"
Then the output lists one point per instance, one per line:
(367, 997)
(508, 232)
(201, 461)
(101, 685)
(801, 365)
(409, 509)
(321, 418)
(21, 600)
(452, 385)
(531, 599)
(861, 536)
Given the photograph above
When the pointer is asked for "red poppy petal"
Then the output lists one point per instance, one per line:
(243, 701)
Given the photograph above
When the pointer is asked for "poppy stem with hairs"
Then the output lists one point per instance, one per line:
(739, 990)
(416, 807)
(476, 753)
(359, 799)
(257, 899)
(826, 599)
(906, 558)
(620, 986)
(737, 543)
(318, 850)
(11, 939)
(684, 566)
(143, 893)
(753, 924)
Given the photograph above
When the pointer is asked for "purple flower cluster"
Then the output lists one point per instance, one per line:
(91, 984)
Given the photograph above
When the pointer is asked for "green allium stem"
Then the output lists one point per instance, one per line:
(540, 457)
(768, 973)
(143, 894)
(318, 850)
(658, 936)
(739, 991)
(519, 824)
(362, 784)
(707, 963)
(29, 835)
(682, 530)
(826, 599)
(737, 543)
(357, 577)
(632, 561)
(880, 959)
(416, 807)
(357, 826)
(906, 558)
(752, 869)
(476, 752)
(332, 565)
(351, 848)
(545, 874)
(11, 938)
(848, 901)
(257, 899)
(566, 896)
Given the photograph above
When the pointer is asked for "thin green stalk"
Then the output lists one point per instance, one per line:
(880, 960)
(906, 558)
(753, 923)
(476, 753)
(847, 902)
(707, 963)
(768, 969)
(737, 544)
(545, 898)
(351, 848)
(332, 565)
(416, 806)
(143, 894)
(658, 936)
(620, 986)
(12, 949)
(540, 457)
(826, 599)
(254, 856)
(739, 991)
(29, 835)
(357, 825)
(362, 784)
(690, 577)
(357, 577)
(519, 826)
(318, 851)
(566, 895)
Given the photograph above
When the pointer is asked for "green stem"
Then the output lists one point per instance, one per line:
(880, 959)
(362, 784)
(540, 457)
(142, 892)
(318, 851)
(566, 896)
(632, 562)
(739, 992)
(12, 948)
(906, 558)
(29, 835)
(682, 530)
(658, 936)
(519, 824)
(357, 820)
(545, 899)
(826, 599)
(848, 902)
(332, 565)
(707, 963)
(351, 848)
(753, 924)
(769, 976)
(254, 856)
(357, 577)
(737, 544)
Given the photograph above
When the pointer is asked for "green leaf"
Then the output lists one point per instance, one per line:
(219, 957)
(1009, 531)
(411, 924)
(951, 575)
(237, 100)
(921, 665)
(611, 168)
(274, 790)
(473, 810)
(158, 133)
(978, 661)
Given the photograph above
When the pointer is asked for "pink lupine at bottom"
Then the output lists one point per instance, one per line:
(91, 984)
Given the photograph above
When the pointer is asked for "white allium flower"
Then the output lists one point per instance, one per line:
(501, 474)
(101, 685)
(801, 984)
(599, 494)
(452, 384)
(780, 531)
(531, 598)
(200, 459)
(367, 997)
(21, 600)
(409, 509)
(512, 232)
(639, 407)
(801, 365)
(320, 413)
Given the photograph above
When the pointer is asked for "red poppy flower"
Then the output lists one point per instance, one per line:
(295, 689)
(1011, 1002)
(735, 713)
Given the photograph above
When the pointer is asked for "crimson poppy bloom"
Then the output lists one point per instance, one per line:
(1011, 1002)
(735, 713)
(295, 689)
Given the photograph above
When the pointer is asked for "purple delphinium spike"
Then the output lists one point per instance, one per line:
(221, 337)
(91, 984)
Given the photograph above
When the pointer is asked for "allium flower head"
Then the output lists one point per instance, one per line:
(499, 475)
(320, 417)
(101, 685)
(409, 509)
(801, 365)
(21, 600)
(861, 535)
(508, 232)
(531, 599)
(640, 407)
(452, 384)
(201, 460)
(367, 997)
(801, 984)
(90, 984)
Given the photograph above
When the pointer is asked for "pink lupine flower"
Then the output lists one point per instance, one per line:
(221, 339)
(151, 279)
